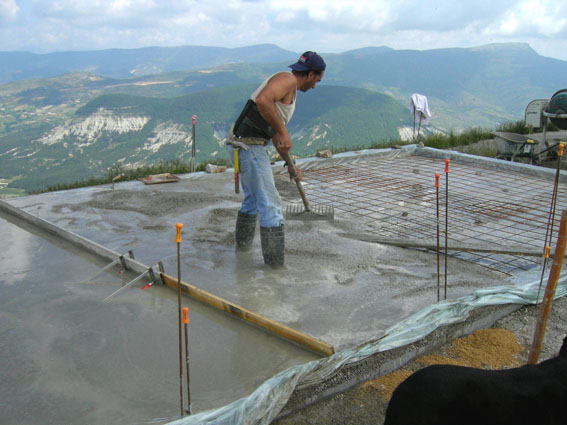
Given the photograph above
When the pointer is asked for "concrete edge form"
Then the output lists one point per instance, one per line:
(313, 163)
(499, 164)
(307, 341)
(385, 362)
(320, 347)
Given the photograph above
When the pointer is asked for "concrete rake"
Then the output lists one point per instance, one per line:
(307, 212)
(297, 212)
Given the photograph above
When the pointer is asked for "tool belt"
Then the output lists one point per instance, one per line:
(250, 124)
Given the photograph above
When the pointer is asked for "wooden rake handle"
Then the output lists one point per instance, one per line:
(293, 171)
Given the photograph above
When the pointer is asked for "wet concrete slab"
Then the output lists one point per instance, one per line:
(68, 357)
(333, 287)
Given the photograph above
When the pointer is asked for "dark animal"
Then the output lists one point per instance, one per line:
(443, 394)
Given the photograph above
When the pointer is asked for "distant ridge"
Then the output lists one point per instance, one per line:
(48, 127)
(368, 51)
(124, 63)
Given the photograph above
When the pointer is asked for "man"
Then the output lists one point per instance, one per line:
(264, 117)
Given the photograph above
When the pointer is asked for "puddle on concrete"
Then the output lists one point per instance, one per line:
(68, 357)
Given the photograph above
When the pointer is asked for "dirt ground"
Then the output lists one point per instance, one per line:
(505, 345)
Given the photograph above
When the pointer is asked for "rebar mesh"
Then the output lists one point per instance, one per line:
(396, 198)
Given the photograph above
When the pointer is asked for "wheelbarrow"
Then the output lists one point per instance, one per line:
(512, 146)
(535, 147)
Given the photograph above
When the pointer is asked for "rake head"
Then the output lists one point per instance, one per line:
(316, 212)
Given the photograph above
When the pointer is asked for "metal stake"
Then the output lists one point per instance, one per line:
(446, 218)
(127, 285)
(546, 303)
(185, 323)
(178, 227)
(551, 218)
(437, 175)
(194, 146)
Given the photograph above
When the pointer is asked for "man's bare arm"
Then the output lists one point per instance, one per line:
(280, 87)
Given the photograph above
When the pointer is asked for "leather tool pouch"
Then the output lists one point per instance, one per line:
(251, 124)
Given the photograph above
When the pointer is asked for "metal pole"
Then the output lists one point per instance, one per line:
(185, 323)
(437, 175)
(126, 286)
(413, 134)
(545, 309)
(551, 218)
(194, 145)
(446, 218)
(178, 227)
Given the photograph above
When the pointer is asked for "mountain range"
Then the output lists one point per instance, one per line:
(70, 115)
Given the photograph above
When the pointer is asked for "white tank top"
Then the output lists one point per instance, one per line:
(285, 111)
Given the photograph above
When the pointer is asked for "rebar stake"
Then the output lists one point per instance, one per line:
(545, 308)
(551, 218)
(178, 227)
(446, 218)
(437, 175)
(194, 147)
(185, 323)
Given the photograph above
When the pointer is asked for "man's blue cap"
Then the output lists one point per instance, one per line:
(309, 61)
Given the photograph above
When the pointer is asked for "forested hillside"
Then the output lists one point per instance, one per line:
(137, 130)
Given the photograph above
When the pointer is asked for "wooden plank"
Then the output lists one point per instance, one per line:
(159, 178)
(408, 243)
(284, 331)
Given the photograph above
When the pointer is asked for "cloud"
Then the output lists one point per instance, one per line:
(324, 25)
(8, 10)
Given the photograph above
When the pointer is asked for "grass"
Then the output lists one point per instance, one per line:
(474, 135)
(126, 174)
(7, 192)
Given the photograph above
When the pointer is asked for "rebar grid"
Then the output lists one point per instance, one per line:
(396, 198)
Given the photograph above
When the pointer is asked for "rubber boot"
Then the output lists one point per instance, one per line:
(273, 245)
(245, 229)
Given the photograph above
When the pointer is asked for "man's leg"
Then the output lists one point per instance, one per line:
(262, 196)
(248, 214)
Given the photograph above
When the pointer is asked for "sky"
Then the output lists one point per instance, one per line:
(326, 26)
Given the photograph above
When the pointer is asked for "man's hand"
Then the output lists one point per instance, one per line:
(297, 171)
(282, 143)
(294, 171)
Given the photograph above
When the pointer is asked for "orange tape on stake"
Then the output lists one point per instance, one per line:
(185, 315)
(547, 249)
(437, 175)
(178, 226)
(560, 153)
(447, 166)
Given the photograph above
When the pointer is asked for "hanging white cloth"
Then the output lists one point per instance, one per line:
(420, 109)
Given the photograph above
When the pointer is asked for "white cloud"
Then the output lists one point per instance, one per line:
(323, 25)
(8, 10)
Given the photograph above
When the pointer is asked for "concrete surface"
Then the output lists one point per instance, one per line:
(335, 288)
(68, 357)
